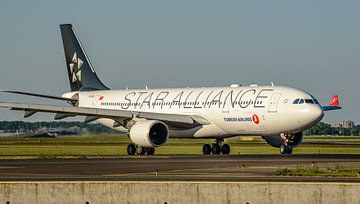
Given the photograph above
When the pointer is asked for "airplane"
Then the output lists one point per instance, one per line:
(151, 116)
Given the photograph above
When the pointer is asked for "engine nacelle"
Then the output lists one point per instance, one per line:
(149, 133)
(294, 139)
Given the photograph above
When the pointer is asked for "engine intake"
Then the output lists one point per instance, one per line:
(149, 133)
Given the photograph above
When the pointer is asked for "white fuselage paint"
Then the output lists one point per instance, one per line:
(247, 110)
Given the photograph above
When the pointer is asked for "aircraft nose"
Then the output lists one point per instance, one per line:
(317, 113)
(313, 114)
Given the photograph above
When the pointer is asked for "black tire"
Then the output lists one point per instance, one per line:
(289, 150)
(215, 149)
(150, 151)
(140, 150)
(283, 149)
(225, 149)
(206, 149)
(131, 149)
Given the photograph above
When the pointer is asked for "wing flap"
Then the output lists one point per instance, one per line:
(167, 117)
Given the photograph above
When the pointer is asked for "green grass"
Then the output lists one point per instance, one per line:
(82, 146)
(338, 171)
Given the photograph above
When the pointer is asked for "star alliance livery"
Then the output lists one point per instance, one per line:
(152, 116)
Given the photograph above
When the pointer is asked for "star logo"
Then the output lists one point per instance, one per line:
(75, 68)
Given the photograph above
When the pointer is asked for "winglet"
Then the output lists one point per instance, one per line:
(335, 101)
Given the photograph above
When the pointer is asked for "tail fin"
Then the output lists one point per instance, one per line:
(334, 104)
(81, 74)
(334, 101)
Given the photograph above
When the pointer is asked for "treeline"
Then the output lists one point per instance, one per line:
(20, 126)
(326, 129)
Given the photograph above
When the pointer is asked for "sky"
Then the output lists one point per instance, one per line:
(309, 45)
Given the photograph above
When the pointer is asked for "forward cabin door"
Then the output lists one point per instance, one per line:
(95, 100)
(273, 103)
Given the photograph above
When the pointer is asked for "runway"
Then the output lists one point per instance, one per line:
(173, 168)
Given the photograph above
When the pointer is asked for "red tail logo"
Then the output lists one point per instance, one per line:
(255, 119)
(101, 98)
(334, 101)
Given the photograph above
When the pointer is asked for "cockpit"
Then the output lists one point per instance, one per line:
(308, 101)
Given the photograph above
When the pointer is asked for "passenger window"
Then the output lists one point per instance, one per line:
(296, 101)
(301, 101)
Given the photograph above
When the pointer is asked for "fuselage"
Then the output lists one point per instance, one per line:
(247, 110)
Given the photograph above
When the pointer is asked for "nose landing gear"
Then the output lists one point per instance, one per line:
(287, 139)
(216, 148)
(285, 149)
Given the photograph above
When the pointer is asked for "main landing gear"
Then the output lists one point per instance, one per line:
(216, 148)
(139, 150)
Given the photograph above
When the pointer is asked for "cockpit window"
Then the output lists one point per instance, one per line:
(309, 101)
(314, 99)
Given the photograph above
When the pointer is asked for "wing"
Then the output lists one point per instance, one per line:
(334, 104)
(119, 116)
(39, 95)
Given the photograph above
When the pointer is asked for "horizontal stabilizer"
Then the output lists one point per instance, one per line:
(328, 108)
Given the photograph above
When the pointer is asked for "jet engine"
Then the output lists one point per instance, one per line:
(291, 139)
(149, 133)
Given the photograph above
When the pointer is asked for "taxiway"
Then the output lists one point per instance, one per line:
(173, 168)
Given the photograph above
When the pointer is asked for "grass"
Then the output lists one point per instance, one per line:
(82, 146)
(338, 171)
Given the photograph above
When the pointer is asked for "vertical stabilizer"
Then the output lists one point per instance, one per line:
(81, 74)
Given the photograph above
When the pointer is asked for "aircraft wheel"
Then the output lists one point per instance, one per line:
(150, 151)
(225, 149)
(283, 149)
(206, 149)
(140, 150)
(131, 149)
(215, 149)
(289, 150)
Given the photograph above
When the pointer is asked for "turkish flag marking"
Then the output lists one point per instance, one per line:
(255, 119)
(334, 101)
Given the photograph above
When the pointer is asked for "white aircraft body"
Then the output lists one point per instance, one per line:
(150, 116)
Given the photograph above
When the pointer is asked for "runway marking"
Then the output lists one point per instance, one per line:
(10, 167)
